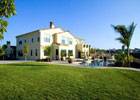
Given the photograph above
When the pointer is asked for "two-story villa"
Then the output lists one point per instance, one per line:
(57, 38)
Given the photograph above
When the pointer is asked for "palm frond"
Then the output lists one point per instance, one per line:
(1, 36)
(121, 40)
(120, 29)
(126, 33)
(131, 29)
(113, 26)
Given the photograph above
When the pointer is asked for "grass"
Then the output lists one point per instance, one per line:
(36, 81)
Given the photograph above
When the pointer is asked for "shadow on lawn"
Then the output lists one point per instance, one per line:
(129, 77)
(28, 64)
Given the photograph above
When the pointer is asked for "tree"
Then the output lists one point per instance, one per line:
(126, 34)
(2, 52)
(121, 58)
(25, 50)
(47, 51)
(7, 9)
(92, 50)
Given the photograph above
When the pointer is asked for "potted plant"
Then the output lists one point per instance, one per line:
(69, 60)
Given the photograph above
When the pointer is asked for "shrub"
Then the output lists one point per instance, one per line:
(47, 51)
(69, 60)
(122, 59)
(1, 51)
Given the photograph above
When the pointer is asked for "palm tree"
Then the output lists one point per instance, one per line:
(126, 34)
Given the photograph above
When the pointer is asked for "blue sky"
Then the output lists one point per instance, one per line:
(88, 19)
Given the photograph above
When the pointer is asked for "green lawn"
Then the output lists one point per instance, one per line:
(36, 81)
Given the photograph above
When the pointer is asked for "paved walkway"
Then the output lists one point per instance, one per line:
(83, 66)
(12, 61)
(66, 63)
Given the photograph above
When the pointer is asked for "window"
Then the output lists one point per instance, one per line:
(45, 53)
(20, 53)
(31, 52)
(38, 39)
(70, 52)
(63, 40)
(24, 41)
(87, 46)
(47, 38)
(63, 53)
(84, 46)
(32, 40)
(66, 40)
(36, 52)
(70, 42)
(20, 42)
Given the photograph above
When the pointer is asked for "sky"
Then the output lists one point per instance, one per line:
(88, 19)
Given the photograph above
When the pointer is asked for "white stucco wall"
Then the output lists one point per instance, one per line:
(67, 46)
(43, 35)
(32, 45)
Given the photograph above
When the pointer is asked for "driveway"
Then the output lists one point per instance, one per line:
(12, 61)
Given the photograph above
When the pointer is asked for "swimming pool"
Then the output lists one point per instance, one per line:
(98, 63)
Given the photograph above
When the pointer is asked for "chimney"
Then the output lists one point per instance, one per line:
(52, 25)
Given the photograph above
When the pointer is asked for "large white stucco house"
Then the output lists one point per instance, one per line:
(58, 39)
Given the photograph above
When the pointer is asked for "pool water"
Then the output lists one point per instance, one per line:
(98, 63)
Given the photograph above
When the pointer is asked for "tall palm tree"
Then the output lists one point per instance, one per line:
(126, 34)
